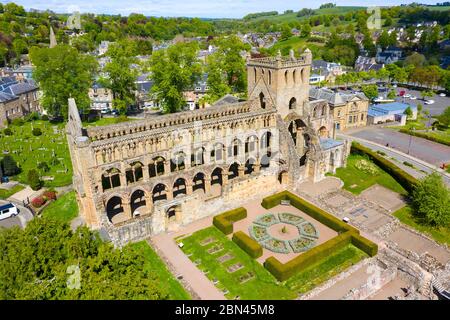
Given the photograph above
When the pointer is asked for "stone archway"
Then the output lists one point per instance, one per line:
(179, 187)
(216, 181)
(323, 132)
(233, 171)
(137, 200)
(173, 217)
(114, 208)
(198, 183)
(159, 193)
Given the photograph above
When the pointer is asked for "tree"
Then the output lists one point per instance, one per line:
(427, 93)
(431, 200)
(121, 77)
(226, 69)
(34, 180)
(9, 166)
(419, 108)
(415, 59)
(285, 32)
(39, 262)
(444, 118)
(174, 70)
(371, 91)
(63, 73)
(408, 112)
(392, 94)
(384, 40)
(306, 31)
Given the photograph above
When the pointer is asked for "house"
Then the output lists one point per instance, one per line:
(24, 72)
(328, 69)
(348, 110)
(367, 64)
(195, 94)
(144, 97)
(316, 78)
(388, 56)
(444, 44)
(101, 98)
(389, 112)
(17, 99)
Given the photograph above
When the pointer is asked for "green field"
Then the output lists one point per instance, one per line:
(154, 264)
(296, 44)
(29, 150)
(289, 17)
(405, 215)
(106, 121)
(263, 286)
(357, 180)
(5, 194)
(64, 208)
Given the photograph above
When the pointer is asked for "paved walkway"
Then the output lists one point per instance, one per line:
(199, 283)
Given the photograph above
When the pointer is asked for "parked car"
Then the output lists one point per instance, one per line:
(8, 210)
(413, 98)
(429, 101)
(442, 94)
(407, 95)
(105, 111)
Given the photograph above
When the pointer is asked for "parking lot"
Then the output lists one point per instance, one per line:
(20, 220)
(439, 105)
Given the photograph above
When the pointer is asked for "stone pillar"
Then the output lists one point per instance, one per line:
(189, 188)
(123, 179)
(224, 178)
(207, 185)
(257, 166)
(167, 167)
(149, 204)
(169, 193)
(145, 173)
(241, 170)
(178, 213)
(127, 207)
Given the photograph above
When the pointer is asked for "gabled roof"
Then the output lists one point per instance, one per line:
(334, 98)
(20, 88)
(225, 100)
(5, 97)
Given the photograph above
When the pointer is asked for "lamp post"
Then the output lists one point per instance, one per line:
(410, 138)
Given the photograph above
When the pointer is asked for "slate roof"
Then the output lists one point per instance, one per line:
(5, 97)
(20, 88)
(334, 98)
(226, 99)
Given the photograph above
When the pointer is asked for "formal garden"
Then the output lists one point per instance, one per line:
(232, 265)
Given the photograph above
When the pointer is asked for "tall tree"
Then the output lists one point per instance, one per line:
(174, 70)
(63, 73)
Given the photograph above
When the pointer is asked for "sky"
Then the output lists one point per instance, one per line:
(194, 8)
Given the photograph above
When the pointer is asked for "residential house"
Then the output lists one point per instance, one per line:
(349, 110)
(390, 55)
(101, 98)
(367, 64)
(327, 69)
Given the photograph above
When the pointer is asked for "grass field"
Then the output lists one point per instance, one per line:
(154, 264)
(64, 208)
(296, 43)
(5, 194)
(405, 215)
(29, 150)
(106, 121)
(263, 286)
(357, 180)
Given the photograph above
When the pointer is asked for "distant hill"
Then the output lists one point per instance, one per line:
(288, 17)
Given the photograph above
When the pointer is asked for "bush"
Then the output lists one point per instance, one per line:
(249, 245)
(43, 166)
(224, 221)
(37, 132)
(381, 152)
(32, 117)
(44, 117)
(34, 180)
(426, 136)
(18, 122)
(284, 271)
(9, 166)
(310, 209)
(406, 180)
(365, 245)
(408, 164)
(8, 132)
(54, 161)
(38, 202)
(49, 195)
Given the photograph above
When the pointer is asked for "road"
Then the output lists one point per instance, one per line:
(426, 150)
(421, 168)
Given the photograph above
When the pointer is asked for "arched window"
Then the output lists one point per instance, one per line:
(302, 76)
(177, 162)
(134, 174)
(292, 103)
(294, 76)
(156, 167)
(198, 157)
(111, 179)
(270, 77)
(286, 77)
(324, 110)
(262, 100)
(254, 70)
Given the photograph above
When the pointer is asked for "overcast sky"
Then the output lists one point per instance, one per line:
(193, 8)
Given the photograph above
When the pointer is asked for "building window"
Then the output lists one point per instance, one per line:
(350, 118)
(362, 116)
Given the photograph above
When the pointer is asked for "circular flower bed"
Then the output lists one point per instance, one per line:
(306, 239)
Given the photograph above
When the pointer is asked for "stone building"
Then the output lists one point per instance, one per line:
(349, 110)
(154, 175)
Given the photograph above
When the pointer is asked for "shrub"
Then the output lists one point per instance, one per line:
(38, 202)
(364, 244)
(252, 247)
(32, 116)
(381, 152)
(43, 166)
(408, 164)
(426, 136)
(8, 132)
(44, 117)
(37, 132)
(284, 271)
(49, 195)
(403, 178)
(18, 122)
(34, 180)
(9, 166)
(54, 161)
(224, 221)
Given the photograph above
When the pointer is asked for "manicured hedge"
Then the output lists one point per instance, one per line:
(285, 271)
(426, 136)
(224, 221)
(320, 215)
(405, 179)
(252, 247)
(364, 244)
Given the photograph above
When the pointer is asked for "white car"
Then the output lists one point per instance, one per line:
(8, 210)
(413, 98)
(429, 101)
(407, 95)
(442, 95)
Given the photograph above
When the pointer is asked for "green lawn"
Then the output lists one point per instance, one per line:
(263, 286)
(5, 194)
(106, 121)
(154, 264)
(29, 150)
(296, 43)
(405, 215)
(64, 208)
(357, 180)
